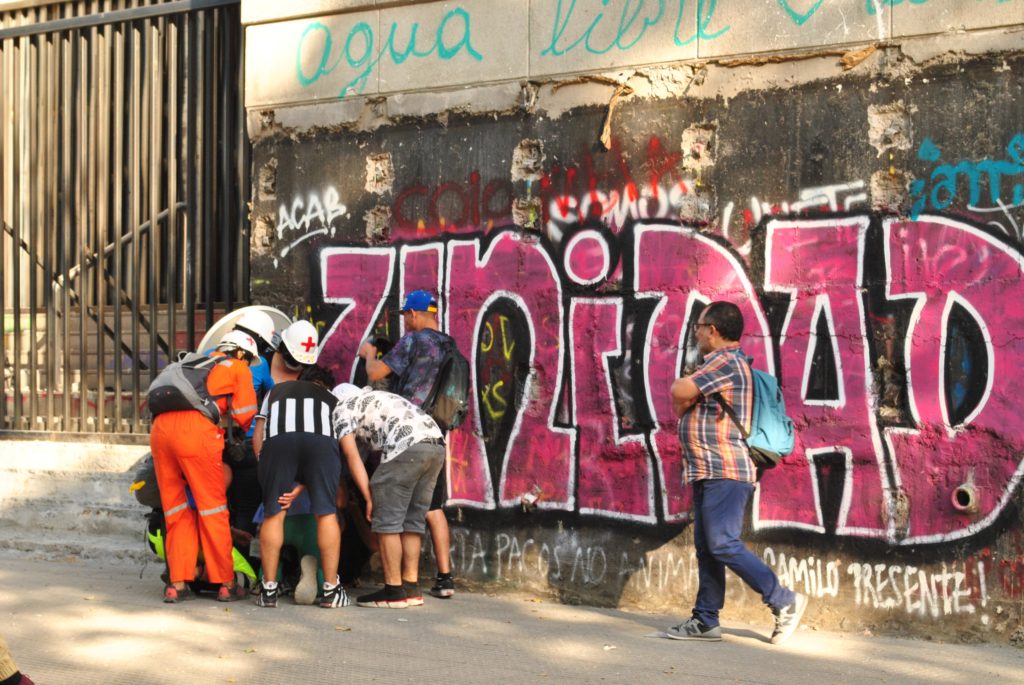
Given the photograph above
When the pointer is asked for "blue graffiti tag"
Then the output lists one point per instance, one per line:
(626, 32)
(798, 18)
(875, 6)
(943, 179)
(358, 49)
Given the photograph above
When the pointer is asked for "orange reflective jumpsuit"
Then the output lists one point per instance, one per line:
(187, 448)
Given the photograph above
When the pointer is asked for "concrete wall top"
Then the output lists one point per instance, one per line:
(318, 50)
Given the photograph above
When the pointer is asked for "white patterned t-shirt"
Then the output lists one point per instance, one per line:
(385, 421)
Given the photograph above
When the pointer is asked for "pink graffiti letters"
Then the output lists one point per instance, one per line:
(929, 479)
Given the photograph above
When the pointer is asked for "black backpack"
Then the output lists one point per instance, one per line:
(448, 401)
(182, 386)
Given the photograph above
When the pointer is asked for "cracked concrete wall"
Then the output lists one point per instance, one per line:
(863, 201)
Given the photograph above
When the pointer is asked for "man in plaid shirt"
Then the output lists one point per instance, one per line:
(718, 466)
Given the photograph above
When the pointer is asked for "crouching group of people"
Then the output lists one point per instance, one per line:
(311, 441)
(300, 437)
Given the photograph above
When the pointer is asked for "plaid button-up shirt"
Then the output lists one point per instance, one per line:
(712, 445)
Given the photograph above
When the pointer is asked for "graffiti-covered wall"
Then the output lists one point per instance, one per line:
(577, 195)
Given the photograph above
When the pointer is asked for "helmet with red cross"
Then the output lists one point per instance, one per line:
(302, 342)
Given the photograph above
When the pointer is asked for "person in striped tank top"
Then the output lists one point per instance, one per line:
(718, 466)
(295, 443)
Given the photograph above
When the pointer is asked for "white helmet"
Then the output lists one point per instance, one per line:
(258, 323)
(302, 342)
(344, 391)
(243, 341)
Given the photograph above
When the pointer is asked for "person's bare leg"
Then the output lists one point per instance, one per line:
(391, 557)
(441, 537)
(328, 539)
(412, 543)
(271, 540)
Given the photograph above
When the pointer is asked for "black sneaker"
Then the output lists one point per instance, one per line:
(334, 596)
(413, 595)
(390, 597)
(268, 596)
(444, 586)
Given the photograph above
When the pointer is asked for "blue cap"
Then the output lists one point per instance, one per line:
(419, 301)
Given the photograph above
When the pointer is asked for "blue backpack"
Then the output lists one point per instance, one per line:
(771, 435)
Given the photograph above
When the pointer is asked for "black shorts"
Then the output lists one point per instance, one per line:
(308, 458)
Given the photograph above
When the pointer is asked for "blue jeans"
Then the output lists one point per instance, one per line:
(718, 508)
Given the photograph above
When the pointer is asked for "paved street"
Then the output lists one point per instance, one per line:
(89, 624)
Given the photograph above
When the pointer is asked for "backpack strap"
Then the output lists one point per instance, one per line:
(446, 349)
(732, 415)
(727, 408)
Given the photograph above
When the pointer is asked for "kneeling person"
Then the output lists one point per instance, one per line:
(398, 495)
(294, 441)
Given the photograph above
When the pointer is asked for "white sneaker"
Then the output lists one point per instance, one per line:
(305, 591)
(788, 618)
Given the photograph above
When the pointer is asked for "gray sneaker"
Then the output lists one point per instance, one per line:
(694, 629)
(788, 618)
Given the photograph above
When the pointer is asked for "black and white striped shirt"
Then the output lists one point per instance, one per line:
(298, 407)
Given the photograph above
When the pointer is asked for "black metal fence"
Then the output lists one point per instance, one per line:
(123, 199)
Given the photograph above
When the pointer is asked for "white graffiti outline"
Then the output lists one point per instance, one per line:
(434, 287)
(953, 298)
(557, 382)
(618, 438)
(823, 307)
(862, 223)
(605, 253)
(348, 302)
(1011, 486)
(662, 301)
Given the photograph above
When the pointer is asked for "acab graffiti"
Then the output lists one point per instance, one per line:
(600, 327)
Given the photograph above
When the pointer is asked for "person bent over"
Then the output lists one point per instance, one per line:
(295, 442)
(398, 495)
(187, 449)
(415, 364)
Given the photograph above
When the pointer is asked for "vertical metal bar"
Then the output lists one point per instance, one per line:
(118, 215)
(191, 210)
(244, 161)
(226, 225)
(6, 213)
(32, 206)
(103, 233)
(134, 192)
(155, 62)
(82, 222)
(171, 259)
(6, 208)
(18, 143)
(67, 79)
(204, 177)
(49, 221)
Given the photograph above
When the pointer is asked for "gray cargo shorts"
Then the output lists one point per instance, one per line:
(401, 488)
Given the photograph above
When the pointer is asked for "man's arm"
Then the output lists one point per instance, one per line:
(684, 395)
(358, 470)
(375, 368)
(257, 435)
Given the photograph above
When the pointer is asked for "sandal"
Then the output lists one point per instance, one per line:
(231, 593)
(173, 595)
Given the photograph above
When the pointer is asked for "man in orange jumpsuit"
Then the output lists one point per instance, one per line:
(187, 450)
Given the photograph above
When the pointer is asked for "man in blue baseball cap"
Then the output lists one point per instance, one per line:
(415, 361)
(420, 301)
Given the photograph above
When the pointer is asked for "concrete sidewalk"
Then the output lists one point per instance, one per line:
(85, 623)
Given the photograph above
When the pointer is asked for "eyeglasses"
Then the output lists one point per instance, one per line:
(698, 324)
